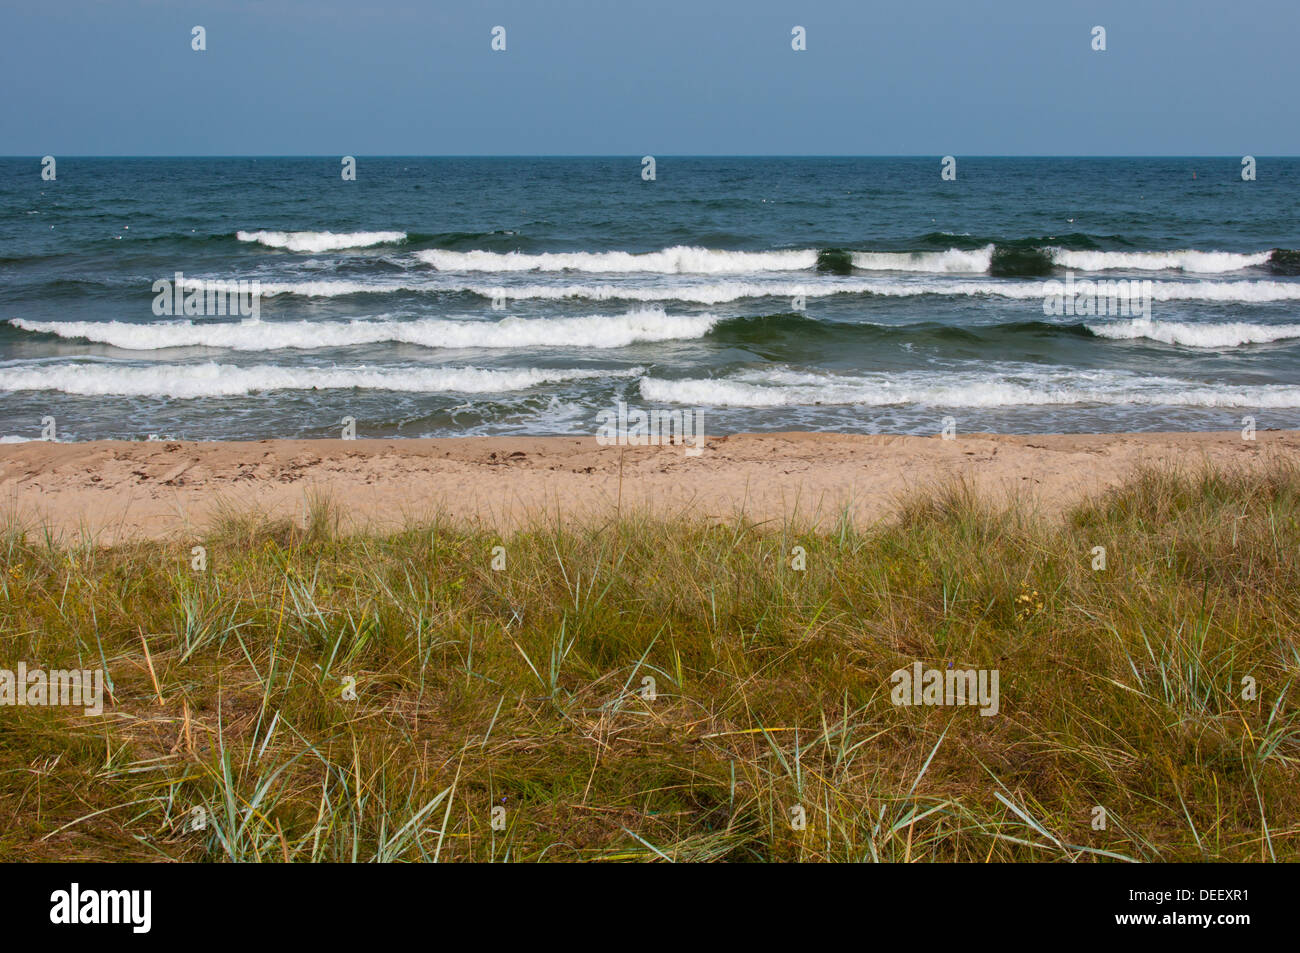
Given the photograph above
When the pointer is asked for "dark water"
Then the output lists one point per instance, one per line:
(526, 295)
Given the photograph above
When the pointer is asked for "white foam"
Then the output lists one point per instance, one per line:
(707, 293)
(320, 241)
(594, 331)
(697, 291)
(711, 293)
(1196, 335)
(323, 288)
(1247, 291)
(681, 259)
(186, 381)
(677, 260)
(952, 261)
(1005, 388)
(1204, 262)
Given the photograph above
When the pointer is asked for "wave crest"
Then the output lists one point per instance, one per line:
(1232, 334)
(320, 241)
(188, 381)
(939, 389)
(678, 260)
(593, 331)
(1200, 262)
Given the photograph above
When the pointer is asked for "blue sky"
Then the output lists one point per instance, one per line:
(614, 77)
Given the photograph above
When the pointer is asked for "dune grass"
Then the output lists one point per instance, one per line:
(651, 691)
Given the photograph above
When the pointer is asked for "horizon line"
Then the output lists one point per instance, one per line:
(622, 155)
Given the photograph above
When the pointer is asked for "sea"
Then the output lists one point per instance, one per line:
(447, 296)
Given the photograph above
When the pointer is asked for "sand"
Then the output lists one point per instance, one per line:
(116, 490)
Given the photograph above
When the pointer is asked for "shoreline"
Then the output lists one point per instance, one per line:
(132, 490)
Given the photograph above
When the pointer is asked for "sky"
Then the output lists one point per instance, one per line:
(661, 77)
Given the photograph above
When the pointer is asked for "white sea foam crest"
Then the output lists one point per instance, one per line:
(588, 331)
(710, 293)
(320, 241)
(679, 259)
(1064, 386)
(721, 292)
(1232, 334)
(226, 380)
(316, 288)
(952, 261)
(1205, 262)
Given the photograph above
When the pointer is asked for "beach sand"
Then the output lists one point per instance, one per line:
(118, 490)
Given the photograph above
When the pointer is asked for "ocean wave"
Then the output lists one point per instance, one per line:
(677, 260)
(1232, 334)
(723, 292)
(1204, 262)
(186, 381)
(1019, 258)
(952, 261)
(617, 331)
(320, 241)
(1005, 259)
(316, 288)
(1066, 386)
(591, 331)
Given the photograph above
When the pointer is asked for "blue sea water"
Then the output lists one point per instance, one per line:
(452, 296)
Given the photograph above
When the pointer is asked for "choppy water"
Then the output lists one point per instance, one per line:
(486, 296)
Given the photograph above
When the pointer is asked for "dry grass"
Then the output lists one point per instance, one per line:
(524, 689)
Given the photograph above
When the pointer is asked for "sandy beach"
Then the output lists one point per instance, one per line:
(119, 490)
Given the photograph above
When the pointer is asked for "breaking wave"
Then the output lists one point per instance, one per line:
(593, 331)
(1034, 387)
(187, 381)
(320, 241)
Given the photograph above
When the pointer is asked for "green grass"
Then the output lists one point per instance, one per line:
(523, 689)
